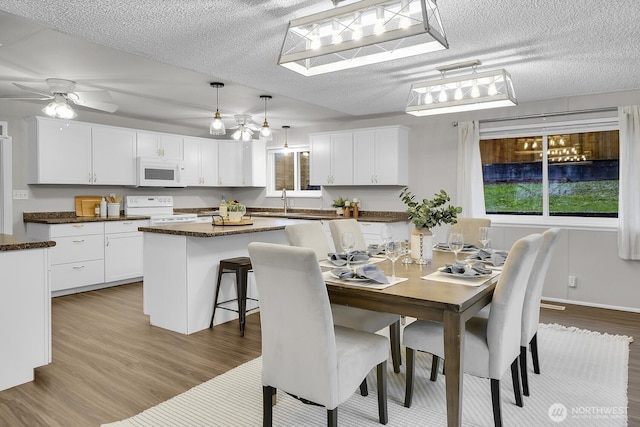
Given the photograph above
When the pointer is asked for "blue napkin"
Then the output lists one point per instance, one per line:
(496, 258)
(375, 249)
(368, 271)
(464, 269)
(445, 247)
(354, 256)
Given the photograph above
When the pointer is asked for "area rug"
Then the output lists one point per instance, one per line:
(583, 383)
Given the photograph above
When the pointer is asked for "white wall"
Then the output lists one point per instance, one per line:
(590, 255)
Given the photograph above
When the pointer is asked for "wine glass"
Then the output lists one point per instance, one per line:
(393, 251)
(483, 236)
(348, 243)
(456, 243)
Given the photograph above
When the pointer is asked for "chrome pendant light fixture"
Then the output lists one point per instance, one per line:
(285, 147)
(216, 127)
(362, 33)
(265, 131)
(475, 91)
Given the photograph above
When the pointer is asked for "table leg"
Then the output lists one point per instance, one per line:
(454, 367)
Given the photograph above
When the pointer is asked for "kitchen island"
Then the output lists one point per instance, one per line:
(181, 266)
(25, 309)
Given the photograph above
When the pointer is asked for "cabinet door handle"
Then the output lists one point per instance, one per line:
(78, 267)
(78, 225)
(106, 240)
(95, 178)
(79, 241)
(90, 177)
(127, 222)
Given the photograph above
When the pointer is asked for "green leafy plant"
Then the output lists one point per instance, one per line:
(430, 213)
(339, 202)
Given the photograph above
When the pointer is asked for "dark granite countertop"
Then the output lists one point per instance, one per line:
(71, 218)
(206, 229)
(314, 214)
(11, 243)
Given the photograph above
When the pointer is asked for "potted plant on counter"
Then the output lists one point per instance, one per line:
(425, 215)
(339, 204)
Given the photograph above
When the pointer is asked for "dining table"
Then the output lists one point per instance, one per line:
(447, 302)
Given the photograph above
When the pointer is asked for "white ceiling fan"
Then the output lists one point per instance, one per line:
(61, 92)
(245, 127)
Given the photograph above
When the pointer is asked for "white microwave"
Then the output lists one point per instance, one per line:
(153, 172)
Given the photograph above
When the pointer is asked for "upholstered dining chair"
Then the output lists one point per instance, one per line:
(350, 225)
(469, 228)
(493, 344)
(303, 353)
(312, 235)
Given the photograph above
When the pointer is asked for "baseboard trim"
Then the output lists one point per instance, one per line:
(592, 304)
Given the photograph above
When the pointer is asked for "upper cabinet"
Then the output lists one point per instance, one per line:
(374, 156)
(64, 152)
(242, 164)
(331, 158)
(381, 156)
(201, 162)
(161, 145)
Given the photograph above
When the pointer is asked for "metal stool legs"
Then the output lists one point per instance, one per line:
(241, 267)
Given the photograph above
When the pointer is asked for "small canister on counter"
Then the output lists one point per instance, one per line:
(113, 209)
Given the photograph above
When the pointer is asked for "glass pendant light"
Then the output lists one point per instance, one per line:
(265, 131)
(216, 127)
(285, 147)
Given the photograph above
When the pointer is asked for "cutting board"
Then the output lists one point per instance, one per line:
(218, 221)
(86, 205)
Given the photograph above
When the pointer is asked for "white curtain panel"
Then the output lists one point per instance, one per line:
(470, 188)
(629, 194)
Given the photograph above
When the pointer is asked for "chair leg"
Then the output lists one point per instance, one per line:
(434, 367)
(523, 371)
(215, 297)
(332, 417)
(364, 390)
(241, 284)
(495, 400)
(383, 415)
(408, 393)
(534, 353)
(515, 377)
(396, 356)
(267, 405)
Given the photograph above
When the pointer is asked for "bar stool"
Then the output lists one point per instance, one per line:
(241, 267)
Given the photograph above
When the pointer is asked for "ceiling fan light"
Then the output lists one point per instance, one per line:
(59, 109)
(236, 135)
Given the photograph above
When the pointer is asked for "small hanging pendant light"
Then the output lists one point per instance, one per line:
(216, 127)
(265, 131)
(285, 147)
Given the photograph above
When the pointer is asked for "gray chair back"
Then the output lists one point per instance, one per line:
(339, 226)
(309, 235)
(469, 229)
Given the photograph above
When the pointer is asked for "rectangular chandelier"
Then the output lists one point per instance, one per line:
(476, 91)
(362, 33)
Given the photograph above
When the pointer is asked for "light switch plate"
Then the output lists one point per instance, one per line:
(20, 194)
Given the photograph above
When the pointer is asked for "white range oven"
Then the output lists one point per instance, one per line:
(158, 208)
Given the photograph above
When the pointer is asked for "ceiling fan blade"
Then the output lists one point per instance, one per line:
(91, 96)
(24, 97)
(97, 105)
(32, 90)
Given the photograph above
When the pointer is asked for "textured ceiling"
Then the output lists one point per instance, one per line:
(551, 48)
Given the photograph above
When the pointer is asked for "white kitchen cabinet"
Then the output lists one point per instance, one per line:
(78, 259)
(63, 152)
(331, 158)
(123, 245)
(113, 156)
(242, 163)
(161, 145)
(25, 315)
(381, 156)
(201, 162)
(59, 151)
(254, 164)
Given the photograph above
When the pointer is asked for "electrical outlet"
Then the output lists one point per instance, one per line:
(20, 194)
(573, 281)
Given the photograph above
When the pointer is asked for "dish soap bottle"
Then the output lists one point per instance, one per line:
(223, 208)
(103, 208)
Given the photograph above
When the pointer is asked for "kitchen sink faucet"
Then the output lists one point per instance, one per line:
(284, 198)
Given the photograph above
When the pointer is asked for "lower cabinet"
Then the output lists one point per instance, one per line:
(91, 253)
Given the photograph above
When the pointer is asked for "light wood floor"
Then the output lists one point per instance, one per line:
(110, 364)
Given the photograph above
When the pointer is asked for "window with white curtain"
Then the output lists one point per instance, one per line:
(289, 169)
(562, 169)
